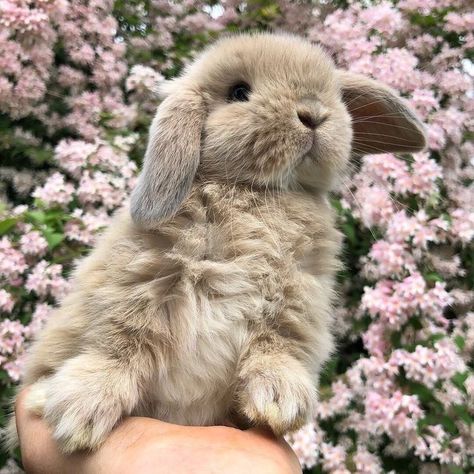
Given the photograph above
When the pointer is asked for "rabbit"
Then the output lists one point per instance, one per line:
(209, 299)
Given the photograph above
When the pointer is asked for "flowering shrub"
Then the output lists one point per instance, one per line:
(75, 104)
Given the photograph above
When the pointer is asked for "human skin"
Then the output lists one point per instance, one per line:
(145, 446)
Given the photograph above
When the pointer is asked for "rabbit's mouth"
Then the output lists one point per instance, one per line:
(308, 141)
(310, 148)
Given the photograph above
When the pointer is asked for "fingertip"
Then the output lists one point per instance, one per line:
(36, 442)
(20, 411)
(279, 448)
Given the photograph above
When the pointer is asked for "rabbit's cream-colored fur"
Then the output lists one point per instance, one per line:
(209, 300)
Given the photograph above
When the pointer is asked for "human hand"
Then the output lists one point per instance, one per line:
(145, 446)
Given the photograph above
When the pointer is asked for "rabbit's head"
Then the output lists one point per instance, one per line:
(265, 110)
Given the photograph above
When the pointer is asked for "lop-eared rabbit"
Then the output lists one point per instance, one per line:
(209, 299)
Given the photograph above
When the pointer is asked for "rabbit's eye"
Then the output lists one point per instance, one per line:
(240, 92)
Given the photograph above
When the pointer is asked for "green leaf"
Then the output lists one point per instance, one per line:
(329, 371)
(336, 204)
(424, 393)
(350, 233)
(436, 419)
(433, 277)
(463, 414)
(53, 238)
(7, 224)
(38, 217)
(435, 338)
(396, 339)
(460, 342)
(459, 379)
(449, 425)
(54, 215)
(416, 323)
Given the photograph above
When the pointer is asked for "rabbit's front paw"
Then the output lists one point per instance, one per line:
(79, 419)
(80, 410)
(281, 396)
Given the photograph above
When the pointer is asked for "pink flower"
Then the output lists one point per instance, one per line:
(334, 457)
(424, 101)
(72, 155)
(11, 336)
(451, 120)
(38, 319)
(84, 226)
(22, 18)
(366, 462)
(430, 365)
(396, 415)
(6, 301)
(391, 257)
(33, 243)
(378, 206)
(375, 341)
(454, 82)
(305, 444)
(46, 279)
(55, 191)
(337, 404)
(459, 23)
(102, 187)
(382, 17)
(14, 368)
(143, 78)
(425, 172)
(12, 262)
(82, 54)
(463, 225)
(436, 136)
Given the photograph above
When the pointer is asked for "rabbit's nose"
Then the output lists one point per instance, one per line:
(311, 115)
(307, 119)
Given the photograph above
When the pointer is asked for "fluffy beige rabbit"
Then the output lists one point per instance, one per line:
(210, 298)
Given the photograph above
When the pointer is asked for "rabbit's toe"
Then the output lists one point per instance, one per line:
(35, 398)
(80, 422)
(81, 419)
(278, 398)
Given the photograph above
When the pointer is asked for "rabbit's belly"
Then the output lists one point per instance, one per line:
(197, 388)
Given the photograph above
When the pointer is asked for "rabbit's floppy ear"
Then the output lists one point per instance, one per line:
(171, 158)
(382, 122)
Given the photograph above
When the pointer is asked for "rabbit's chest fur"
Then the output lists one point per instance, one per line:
(239, 258)
(232, 258)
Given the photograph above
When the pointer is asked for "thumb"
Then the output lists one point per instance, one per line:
(39, 451)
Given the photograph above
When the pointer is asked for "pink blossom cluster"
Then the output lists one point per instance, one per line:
(306, 444)
(12, 261)
(395, 302)
(334, 458)
(436, 444)
(14, 336)
(383, 176)
(84, 225)
(143, 78)
(30, 79)
(55, 191)
(33, 243)
(395, 414)
(427, 365)
(338, 403)
(46, 279)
